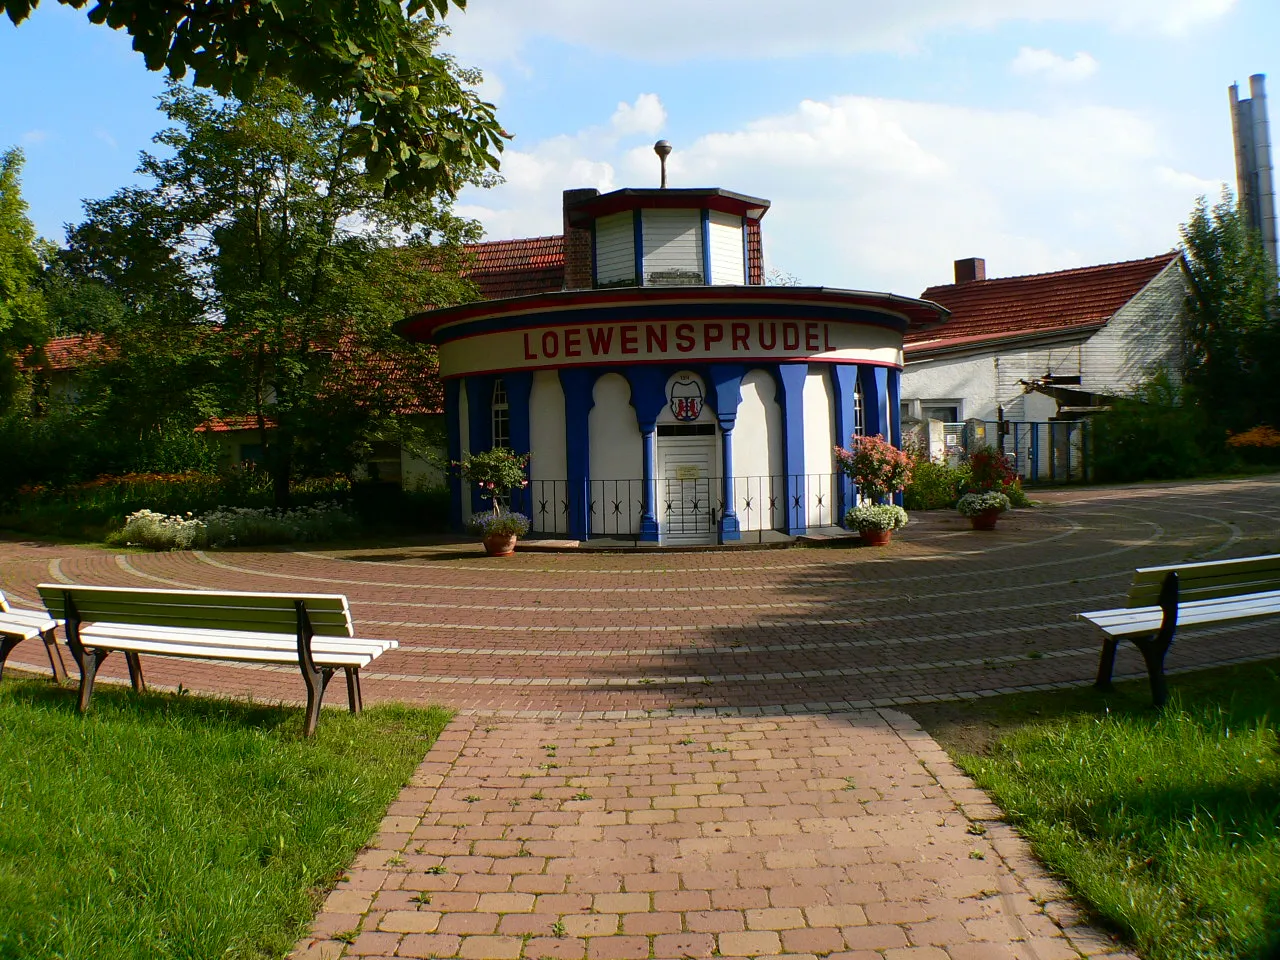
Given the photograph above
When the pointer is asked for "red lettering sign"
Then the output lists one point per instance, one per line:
(550, 344)
(790, 336)
(629, 339)
(685, 341)
(739, 332)
(527, 354)
(573, 343)
(768, 336)
(601, 340)
(655, 338)
(712, 333)
(811, 336)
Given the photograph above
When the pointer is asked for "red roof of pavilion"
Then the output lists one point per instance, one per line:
(1061, 302)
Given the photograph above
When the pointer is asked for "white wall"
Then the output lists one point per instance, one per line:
(616, 454)
(758, 466)
(819, 439)
(547, 466)
(615, 249)
(417, 473)
(672, 244)
(728, 265)
(1145, 335)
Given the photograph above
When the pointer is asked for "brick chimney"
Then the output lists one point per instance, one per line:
(577, 243)
(970, 269)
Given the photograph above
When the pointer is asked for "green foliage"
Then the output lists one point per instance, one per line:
(1163, 823)
(418, 124)
(1232, 358)
(934, 485)
(989, 469)
(174, 826)
(22, 306)
(260, 273)
(1156, 434)
(235, 527)
(496, 472)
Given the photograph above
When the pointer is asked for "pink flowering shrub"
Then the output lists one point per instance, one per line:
(875, 465)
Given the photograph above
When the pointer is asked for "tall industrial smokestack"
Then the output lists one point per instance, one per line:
(1262, 163)
(1254, 176)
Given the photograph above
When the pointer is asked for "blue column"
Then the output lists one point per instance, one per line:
(479, 429)
(726, 379)
(648, 397)
(791, 378)
(895, 415)
(844, 382)
(519, 388)
(453, 449)
(875, 401)
(579, 398)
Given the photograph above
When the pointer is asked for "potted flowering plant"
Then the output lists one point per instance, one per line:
(876, 521)
(497, 472)
(991, 473)
(879, 469)
(983, 509)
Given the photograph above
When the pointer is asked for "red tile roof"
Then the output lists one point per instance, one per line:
(233, 424)
(68, 353)
(516, 268)
(1008, 307)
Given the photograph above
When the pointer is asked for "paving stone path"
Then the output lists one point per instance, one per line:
(706, 708)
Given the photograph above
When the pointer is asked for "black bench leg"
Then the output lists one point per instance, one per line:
(89, 665)
(6, 645)
(55, 656)
(135, 672)
(1153, 652)
(354, 700)
(1106, 664)
(316, 681)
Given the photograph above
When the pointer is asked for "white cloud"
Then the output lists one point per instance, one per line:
(885, 194)
(1031, 61)
(106, 138)
(665, 30)
(34, 137)
(646, 115)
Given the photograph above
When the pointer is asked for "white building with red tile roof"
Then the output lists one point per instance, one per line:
(1047, 346)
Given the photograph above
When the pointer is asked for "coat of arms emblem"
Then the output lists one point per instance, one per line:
(686, 399)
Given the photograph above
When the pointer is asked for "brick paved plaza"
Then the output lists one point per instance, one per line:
(681, 755)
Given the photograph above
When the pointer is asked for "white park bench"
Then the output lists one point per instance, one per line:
(1162, 599)
(19, 625)
(313, 631)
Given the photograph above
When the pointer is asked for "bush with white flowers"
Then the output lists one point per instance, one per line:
(236, 526)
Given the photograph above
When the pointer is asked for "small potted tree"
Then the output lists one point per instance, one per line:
(991, 473)
(497, 472)
(879, 469)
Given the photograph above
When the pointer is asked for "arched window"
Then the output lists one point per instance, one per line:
(858, 425)
(501, 415)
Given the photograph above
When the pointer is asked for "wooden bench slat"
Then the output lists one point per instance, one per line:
(231, 639)
(222, 652)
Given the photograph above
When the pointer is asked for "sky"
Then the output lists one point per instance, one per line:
(891, 138)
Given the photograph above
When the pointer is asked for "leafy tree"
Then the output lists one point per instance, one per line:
(277, 269)
(22, 307)
(418, 123)
(1232, 354)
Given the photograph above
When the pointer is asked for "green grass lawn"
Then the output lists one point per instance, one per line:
(1166, 824)
(175, 826)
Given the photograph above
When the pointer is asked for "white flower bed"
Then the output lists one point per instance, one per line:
(236, 526)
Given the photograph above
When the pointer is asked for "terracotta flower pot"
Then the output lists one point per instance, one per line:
(986, 520)
(500, 544)
(875, 538)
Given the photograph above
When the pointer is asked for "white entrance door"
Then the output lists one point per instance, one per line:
(686, 492)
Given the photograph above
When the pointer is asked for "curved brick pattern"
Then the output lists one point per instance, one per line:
(942, 613)
(844, 835)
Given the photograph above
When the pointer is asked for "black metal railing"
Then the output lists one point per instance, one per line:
(685, 509)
